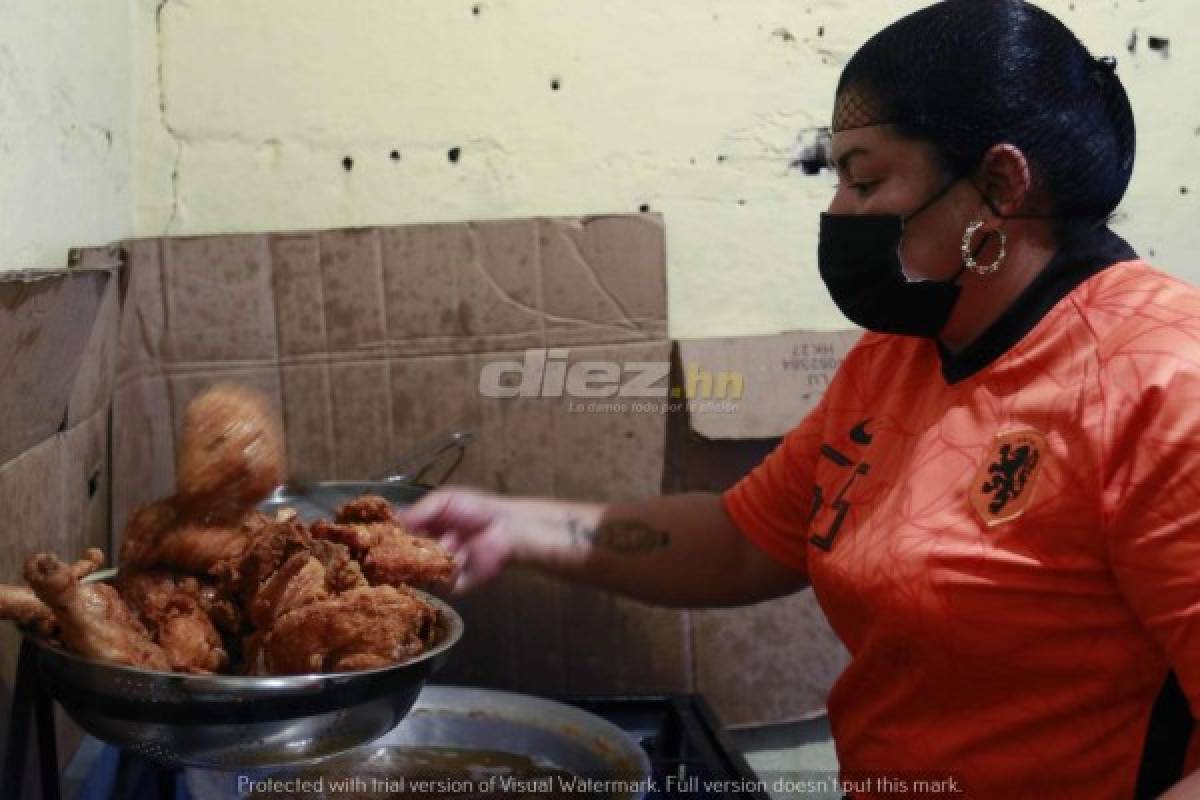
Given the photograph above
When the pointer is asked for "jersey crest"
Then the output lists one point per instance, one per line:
(1006, 480)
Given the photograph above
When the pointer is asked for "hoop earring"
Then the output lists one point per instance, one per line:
(969, 258)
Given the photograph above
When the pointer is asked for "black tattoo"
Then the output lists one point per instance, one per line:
(620, 535)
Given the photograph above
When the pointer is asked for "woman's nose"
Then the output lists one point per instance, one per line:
(840, 202)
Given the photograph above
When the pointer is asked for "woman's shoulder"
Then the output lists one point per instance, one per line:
(1134, 306)
(1146, 327)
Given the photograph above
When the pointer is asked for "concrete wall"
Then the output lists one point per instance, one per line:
(246, 111)
(249, 108)
(65, 119)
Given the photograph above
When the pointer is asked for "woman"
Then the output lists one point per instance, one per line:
(995, 501)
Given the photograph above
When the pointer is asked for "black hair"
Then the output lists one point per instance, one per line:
(965, 75)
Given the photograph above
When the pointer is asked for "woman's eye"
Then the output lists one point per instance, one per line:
(864, 188)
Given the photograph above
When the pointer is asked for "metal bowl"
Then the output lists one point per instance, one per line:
(236, 722)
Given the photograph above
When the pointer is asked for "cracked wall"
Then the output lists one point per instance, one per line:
(285, 114)
(65, 121)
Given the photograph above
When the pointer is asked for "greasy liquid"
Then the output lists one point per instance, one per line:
(441, 773)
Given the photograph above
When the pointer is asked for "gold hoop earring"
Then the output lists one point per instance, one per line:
(969, 258)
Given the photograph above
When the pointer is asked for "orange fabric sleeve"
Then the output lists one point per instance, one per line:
(1151, 500)
(771, 505)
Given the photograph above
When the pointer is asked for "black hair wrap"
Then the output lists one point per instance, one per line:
(966, 75)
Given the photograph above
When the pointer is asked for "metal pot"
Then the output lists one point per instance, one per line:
(454, 719)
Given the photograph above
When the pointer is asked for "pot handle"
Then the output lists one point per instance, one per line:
(415, 467)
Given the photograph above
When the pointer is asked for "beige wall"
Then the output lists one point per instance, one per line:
(65, 119)
(243, 111)
(262, 99)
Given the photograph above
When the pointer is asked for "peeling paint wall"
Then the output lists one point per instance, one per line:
(277, 114)
(65, 120)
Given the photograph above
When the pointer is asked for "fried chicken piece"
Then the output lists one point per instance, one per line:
(232, 451)
(283, 568)
(300, 581)
(365, 508)
(359, 629)
(159, 535)
(22, 606)
(172, 610)
(222, 609)
(93, 619)
(389, 554)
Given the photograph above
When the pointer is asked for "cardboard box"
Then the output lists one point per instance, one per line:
(371, 341)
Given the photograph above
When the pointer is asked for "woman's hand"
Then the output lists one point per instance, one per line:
(476, 527)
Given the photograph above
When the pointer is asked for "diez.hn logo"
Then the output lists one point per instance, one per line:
(547, 373)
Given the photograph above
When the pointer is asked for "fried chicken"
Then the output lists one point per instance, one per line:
(251, 594)
(175, 616)
(358, 629)
(284, 567)
(365, 508)
(232, 453)
(389, 554)
(93, 620)
(159, 535)
(23, 607)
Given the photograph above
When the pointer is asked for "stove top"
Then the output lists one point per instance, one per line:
(690, 754)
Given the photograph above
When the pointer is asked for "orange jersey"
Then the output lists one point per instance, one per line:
(1007, 540)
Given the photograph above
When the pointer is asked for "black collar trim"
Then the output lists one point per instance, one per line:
(1076, 261)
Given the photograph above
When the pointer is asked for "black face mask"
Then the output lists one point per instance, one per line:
(859, 260)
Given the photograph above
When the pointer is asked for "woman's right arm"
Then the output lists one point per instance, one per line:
(679, 550)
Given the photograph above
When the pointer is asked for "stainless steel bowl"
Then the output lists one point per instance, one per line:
(236, 722)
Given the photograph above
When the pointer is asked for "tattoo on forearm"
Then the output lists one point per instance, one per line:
(620, 535)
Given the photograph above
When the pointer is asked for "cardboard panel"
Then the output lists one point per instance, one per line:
(143, 447)
(298, 294)
(499, 285)
(362, 419)
(215, 288)
(308, 421)
(142, 328)
(92, 390)
(782, 377)
(425, 314)
(86, 483)
(603, 280)
(352, 291)
(45, 319)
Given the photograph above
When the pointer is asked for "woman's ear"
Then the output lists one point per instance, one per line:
(1004, 179)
